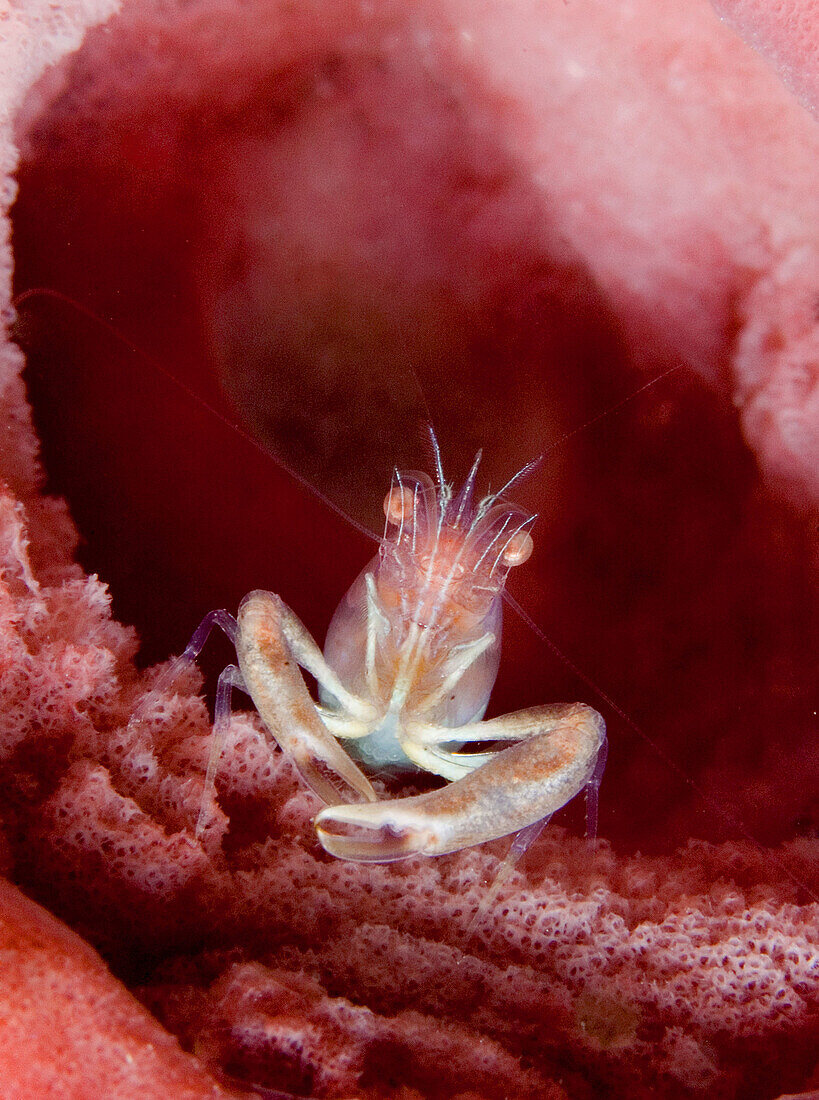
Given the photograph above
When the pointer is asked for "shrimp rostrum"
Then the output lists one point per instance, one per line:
(408, 667)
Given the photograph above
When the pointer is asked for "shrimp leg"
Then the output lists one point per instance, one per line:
(229, 678)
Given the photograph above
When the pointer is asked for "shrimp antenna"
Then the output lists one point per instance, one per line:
(523, 472)
(436, 450)
(463, 501)
(530, 467)
(436, 453)
(46, 293)
(596, 419)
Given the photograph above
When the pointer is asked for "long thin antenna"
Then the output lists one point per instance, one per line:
(531, 466)
(436, 452)
(610, 411)
(523, 472)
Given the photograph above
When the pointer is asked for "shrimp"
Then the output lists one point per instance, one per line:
(407, 671)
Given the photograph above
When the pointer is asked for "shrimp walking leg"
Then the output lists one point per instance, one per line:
(221, 619)
(520, 845)
(229, 679)
(516, 788)
(593, 790)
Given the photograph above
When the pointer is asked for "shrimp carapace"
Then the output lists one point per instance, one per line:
(438, 582)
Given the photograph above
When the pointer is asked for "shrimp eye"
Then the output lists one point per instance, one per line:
(398, 506)
(518, 549)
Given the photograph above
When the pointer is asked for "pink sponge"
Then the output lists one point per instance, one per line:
(597, 970)
(784, 32)
(69, 1029)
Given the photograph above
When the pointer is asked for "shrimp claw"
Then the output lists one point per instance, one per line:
(270, 645)
(517, 787)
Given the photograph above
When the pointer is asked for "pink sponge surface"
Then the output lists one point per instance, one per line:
(68, 1029)
(597, 970)
(784, 31)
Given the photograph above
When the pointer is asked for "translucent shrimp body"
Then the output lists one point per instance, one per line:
(419, 632)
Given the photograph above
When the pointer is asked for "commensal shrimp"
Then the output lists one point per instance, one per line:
(408, 667)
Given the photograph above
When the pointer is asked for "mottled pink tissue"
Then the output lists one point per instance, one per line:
(558, 202)
(786, 32)
(69, 1029)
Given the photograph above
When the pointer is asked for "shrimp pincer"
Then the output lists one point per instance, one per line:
(405, 677)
